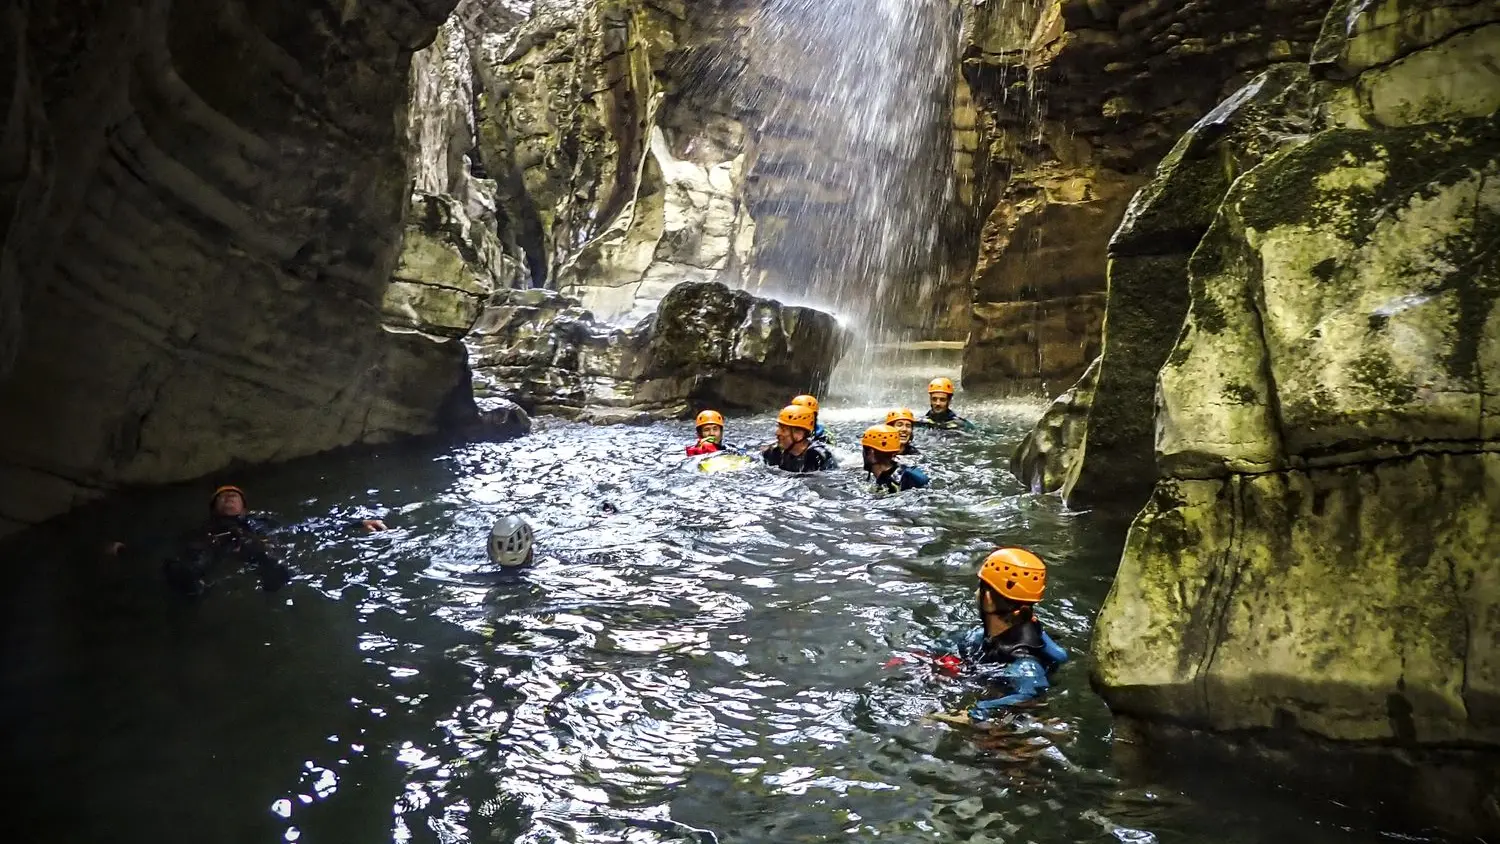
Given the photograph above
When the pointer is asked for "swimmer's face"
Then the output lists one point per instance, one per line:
(787, 437)
(904, 426)
(229, 504)
(939, 401)
(711, 432)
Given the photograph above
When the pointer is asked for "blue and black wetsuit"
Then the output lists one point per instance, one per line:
(1019, 662)
(227, 542)
(816, 458)
(901, 479)
(947, 421)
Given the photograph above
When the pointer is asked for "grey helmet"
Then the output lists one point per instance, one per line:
(510, 541)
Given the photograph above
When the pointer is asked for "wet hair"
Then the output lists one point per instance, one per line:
(1006, 607)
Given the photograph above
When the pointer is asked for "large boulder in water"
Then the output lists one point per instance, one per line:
(1315, 576)
(706, 345)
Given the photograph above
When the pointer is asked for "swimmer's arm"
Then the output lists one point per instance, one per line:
(1055, 652)
(1026, 679)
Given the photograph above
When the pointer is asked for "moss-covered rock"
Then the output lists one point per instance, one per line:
(1148, 280)
(1302, 600)
(1316, 568)
(705, 346)
(1341, 305)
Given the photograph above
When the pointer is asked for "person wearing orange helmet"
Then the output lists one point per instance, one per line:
(904, 421)
(710, 427)
(795, 449)
(882, 443)
(233, 536)
(820, 433)
(940, 408)
(1010, 649)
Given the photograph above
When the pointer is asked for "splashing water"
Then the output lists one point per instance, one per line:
(850, 102)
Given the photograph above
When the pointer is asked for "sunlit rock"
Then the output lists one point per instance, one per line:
(1077, 102)
(706, 346)
(1148, 274)
(1317, 568)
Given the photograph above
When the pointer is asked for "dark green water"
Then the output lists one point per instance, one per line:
(704, 663)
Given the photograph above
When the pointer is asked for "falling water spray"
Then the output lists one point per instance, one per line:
(850, 105)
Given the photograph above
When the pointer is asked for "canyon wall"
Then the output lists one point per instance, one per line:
(1311, 589)
(202, 205)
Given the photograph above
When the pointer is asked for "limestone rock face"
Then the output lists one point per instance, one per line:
(1047, 459)
(1318, 557)
(1076, 103)
(203, 206)
(706, 346)
(620, 177)
(1148, 273)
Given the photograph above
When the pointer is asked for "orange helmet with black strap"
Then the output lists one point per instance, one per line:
(796, 416)
(940, 385)
(809, 402)
(1015, 573)
(223, 489)
(709, 417)
(882, 438)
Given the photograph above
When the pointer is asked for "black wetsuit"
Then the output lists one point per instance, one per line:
(816, 458)
(947, 420)
(222, 542)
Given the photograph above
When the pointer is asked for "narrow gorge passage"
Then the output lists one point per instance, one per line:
(702, 660)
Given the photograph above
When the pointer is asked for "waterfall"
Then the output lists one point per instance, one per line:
(849, 103)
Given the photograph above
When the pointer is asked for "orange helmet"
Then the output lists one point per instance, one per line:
(899, 414)
(796, 416)
(809, 402)
(213, 500)
(882, 438)
(709, 417)
(940, 385)
(1015, 573)
(223, 489)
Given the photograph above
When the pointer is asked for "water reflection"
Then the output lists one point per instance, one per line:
(703, 659)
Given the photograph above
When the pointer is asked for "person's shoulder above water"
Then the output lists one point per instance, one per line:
(913, 477)
(822, 455)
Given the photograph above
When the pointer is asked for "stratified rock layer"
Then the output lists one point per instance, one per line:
(1317, 564)
(706, 346)
(202, 206)
(1076, 103)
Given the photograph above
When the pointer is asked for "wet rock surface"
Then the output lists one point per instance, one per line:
(203, 206)
(1317, 561)
(706, 346)
(1076, 102)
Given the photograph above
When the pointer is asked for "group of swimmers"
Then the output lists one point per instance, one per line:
(803, 444)
(1009, 650)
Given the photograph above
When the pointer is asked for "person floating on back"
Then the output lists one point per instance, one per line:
(231, 537)
(820, 433)
(882, 443)
(710, 424)
(1010, 649)
(795, 449)
(904, 421)
(940, 413)
(511, 542)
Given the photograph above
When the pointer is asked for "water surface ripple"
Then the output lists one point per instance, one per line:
(694, 658)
